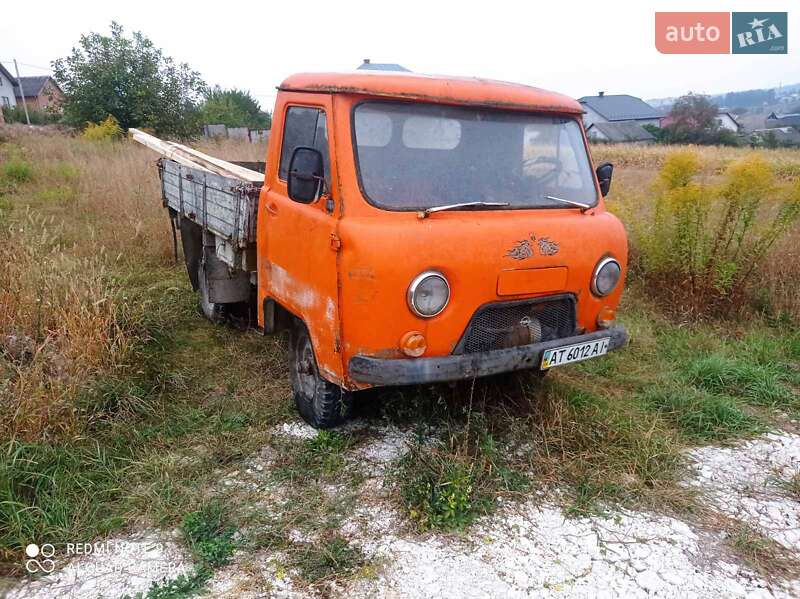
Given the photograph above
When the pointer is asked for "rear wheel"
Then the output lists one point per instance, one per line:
(321, 403)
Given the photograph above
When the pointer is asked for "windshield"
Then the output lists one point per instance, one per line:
(417, 156)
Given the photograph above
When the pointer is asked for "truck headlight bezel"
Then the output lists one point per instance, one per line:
(597, 287)
(417, 286)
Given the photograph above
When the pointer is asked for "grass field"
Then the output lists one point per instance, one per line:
(121, 406)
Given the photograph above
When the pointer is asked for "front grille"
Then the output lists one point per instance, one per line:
(509, 324)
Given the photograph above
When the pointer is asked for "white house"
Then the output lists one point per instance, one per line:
(7, 83)
(727, 121)
(621, 132)
(605, 108)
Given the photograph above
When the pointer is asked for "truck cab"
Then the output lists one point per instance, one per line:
(417, 229)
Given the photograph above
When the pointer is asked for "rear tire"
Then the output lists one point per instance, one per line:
(321, 403)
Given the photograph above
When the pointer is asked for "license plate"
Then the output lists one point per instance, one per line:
(574, 353)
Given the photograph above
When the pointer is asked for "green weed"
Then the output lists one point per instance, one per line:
(758, 384)
(61, 194)
(447, 484)
(208, 535)
(58, 493)
(66, 171)
(181, 587)
(320, 457)
(701, 415)
(589, 497)
(17, 170)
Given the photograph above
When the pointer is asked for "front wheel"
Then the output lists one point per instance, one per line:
(321, 403)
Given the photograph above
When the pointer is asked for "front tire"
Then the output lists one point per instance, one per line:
(321, 403)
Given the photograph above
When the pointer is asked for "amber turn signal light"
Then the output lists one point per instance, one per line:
(413, 344)
(606, 317)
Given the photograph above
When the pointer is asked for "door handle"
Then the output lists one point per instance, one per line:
(272, 208)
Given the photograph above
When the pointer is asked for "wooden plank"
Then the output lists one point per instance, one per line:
(162, 148)
(227, 168)
(196, 159)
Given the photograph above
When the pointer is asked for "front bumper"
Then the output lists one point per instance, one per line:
(415, 371)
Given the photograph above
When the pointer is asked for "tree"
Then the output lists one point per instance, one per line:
(131, 79)
(657, 132)
(693, 119)
(234, 108)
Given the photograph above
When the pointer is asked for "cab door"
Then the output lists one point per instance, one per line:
(298, 268)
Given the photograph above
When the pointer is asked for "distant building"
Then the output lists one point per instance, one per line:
(728, 121)
(622, 132)
(41, 93)
(604, 108)
(7, 83)
(368, 65)
(784, 136)
(774, 120)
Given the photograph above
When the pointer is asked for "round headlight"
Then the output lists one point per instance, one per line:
(606, 276)
(428, 294)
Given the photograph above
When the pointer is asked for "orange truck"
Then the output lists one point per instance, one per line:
(410, 229)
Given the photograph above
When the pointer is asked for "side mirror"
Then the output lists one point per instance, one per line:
(306, 175)
(604, 172)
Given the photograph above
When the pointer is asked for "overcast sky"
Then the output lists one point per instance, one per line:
(575, 48)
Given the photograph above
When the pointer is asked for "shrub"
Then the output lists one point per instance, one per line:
(16, 114)
(706, 242)
(107, 130)
(17, 171)
(208, 535)
(450, 483)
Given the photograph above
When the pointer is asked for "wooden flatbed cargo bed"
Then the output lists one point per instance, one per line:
(224, 207)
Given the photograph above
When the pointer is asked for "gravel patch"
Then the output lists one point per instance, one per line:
(534, 551)
(380, 448)
(744, 482)
(525, 550)
(298, 430)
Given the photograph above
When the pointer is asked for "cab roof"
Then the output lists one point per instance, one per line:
(434, 88)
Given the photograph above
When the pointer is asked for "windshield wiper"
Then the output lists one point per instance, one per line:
(429, 211)
(570, 202)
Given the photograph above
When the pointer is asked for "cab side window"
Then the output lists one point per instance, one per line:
(304, 127)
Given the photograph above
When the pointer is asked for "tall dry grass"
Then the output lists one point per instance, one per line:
(785, 161)
(75, 216)
(232, 149)
(62, 325)
(776, 284)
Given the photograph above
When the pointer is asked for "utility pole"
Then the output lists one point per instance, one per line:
(22, 94)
